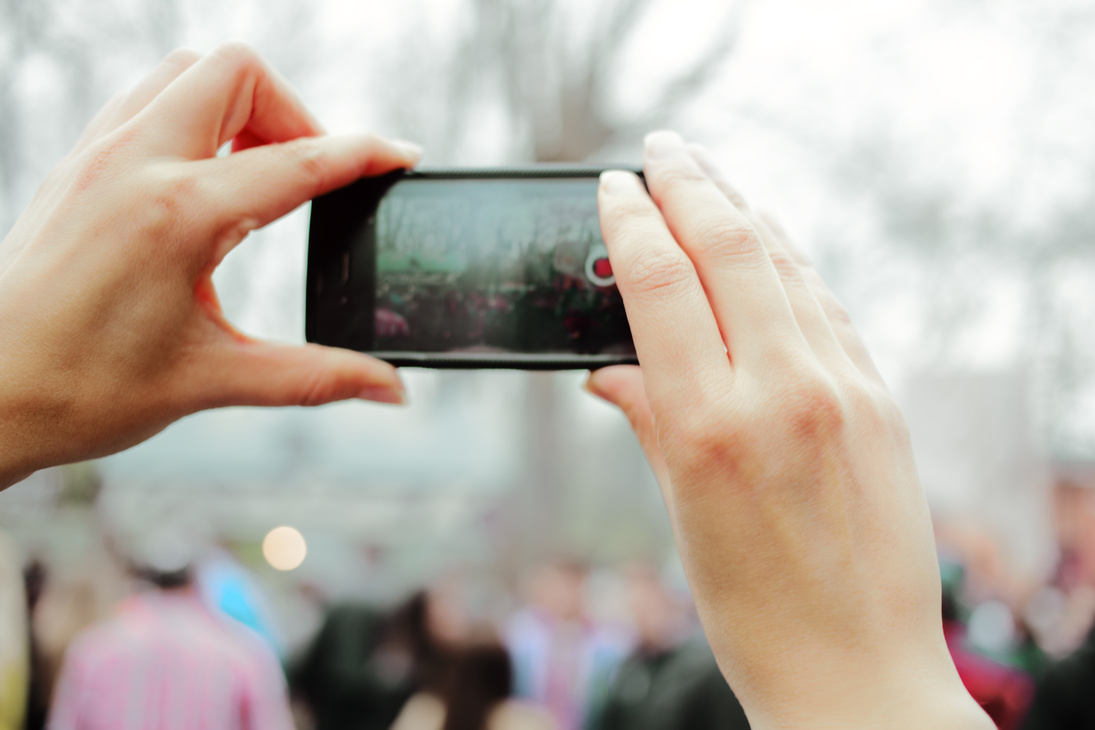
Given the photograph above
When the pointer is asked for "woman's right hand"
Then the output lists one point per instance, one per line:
(784, 462)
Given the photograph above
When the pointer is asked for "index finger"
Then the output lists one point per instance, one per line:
(228, 92)
(676, 338)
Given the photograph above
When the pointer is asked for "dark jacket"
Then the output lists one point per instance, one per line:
(1065, 696)
(679, 689)
(344, 679)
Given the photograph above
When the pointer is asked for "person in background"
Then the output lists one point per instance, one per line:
(1065, 695)
(353, 675)
(562, 659)
(14, 659)
(227, 586)
(365, 663)
(477, 695)
(671, 680)
(35, 577)
(166, 661)
(1003, 692)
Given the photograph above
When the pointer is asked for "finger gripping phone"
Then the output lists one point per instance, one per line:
(499, 268)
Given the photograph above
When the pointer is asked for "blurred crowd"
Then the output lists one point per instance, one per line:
(191, 641)
(184, 636)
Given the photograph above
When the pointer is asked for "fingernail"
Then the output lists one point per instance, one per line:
(618, 182)
(384, 394)
(410, 149)
(663, 144)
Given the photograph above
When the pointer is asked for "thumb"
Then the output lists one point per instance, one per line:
(255, 373)
(622, 386)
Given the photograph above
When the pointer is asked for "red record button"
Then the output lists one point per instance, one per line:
(602, 268)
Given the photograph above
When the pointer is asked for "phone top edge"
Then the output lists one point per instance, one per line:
(535, 171)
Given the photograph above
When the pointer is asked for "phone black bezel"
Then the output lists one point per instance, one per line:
(338, 220)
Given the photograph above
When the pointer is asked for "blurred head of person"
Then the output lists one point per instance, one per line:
(446, 610)
(165, 558)
(35, 576)
(659, 615)
(427, 629)
(481, 679)
(558, 589)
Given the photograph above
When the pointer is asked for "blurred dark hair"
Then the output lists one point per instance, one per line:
(409, 628)
(950, 607)
(167, 579)
(482, 677)
(569, 564)
(35, 576)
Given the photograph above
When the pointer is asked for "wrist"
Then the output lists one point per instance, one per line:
(34, 416)
(954, 710)
(892, 694)
(22, 437)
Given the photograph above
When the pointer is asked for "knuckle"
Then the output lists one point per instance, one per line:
(785, 265)
(658, 271)
(680, 176)
(182, 57)
(625, 216)
(887, 405)
(814, 410)
(873, 408)
(238, 55)
(707, 437)
(309, 157)
(708, 443)
(177, 189)
(317, 389)
(171, 196)
(889, 418)
(857, 396)
(93, 167)
(727, 240)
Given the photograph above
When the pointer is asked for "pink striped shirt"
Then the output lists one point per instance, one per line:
(165, 662)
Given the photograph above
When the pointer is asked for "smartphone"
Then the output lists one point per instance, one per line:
(449, 268)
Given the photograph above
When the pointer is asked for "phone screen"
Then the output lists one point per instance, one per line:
(482, 269)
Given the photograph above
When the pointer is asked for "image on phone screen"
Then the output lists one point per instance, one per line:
(477, 269)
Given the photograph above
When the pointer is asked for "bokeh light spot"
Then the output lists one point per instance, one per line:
(284, 548)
